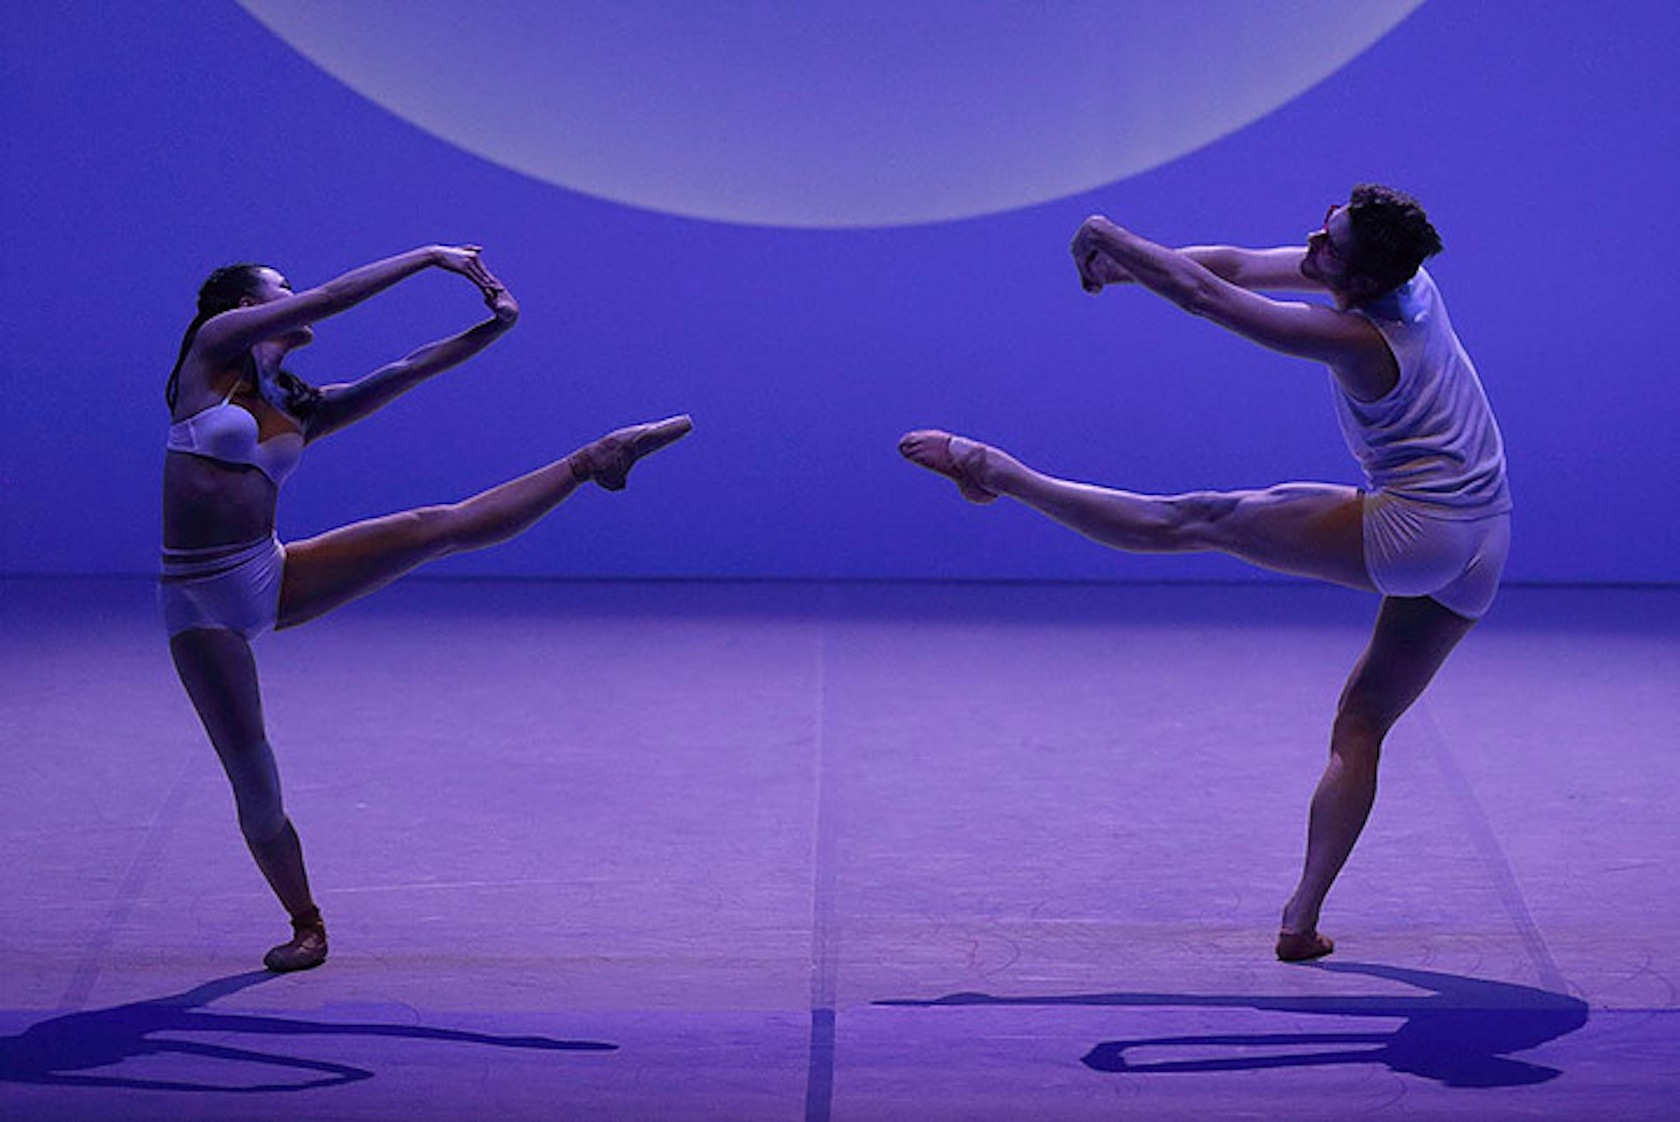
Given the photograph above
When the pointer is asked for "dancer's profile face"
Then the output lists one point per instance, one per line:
(1338, 234)
(272, 286)
(1331, 256)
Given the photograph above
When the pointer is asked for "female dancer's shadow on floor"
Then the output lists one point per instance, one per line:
(54, 1051)
(1460, 1035)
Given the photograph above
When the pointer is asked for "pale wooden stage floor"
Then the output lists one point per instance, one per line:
(850, 851)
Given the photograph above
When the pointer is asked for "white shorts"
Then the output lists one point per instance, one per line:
(1411, 550)
(233, 588)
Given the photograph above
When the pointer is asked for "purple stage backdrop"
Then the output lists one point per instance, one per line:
(840, 250)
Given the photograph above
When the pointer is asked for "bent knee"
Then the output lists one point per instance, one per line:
(1360, 727)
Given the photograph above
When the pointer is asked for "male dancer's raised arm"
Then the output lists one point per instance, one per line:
(1347, 343)
(1259, 270)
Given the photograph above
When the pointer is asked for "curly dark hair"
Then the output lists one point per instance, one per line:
(1392, 233)
(222, 291)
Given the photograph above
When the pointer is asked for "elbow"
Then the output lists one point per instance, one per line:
(1197, 295)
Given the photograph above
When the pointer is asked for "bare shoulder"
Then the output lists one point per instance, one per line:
(203, 384)
(1366, 366)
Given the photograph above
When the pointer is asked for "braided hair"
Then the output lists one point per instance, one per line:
(221, 292)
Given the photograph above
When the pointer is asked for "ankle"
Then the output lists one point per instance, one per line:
(1299, 918)
(986, 467)
(308, 920)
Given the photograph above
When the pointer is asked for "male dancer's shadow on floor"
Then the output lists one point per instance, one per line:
(1459, 1036)
(55, 1051)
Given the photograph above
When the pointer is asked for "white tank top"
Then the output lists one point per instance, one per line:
(1432, 438)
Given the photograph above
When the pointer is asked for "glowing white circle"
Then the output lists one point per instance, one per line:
(814, 114)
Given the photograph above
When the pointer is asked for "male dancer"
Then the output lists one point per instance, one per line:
(1431, 531)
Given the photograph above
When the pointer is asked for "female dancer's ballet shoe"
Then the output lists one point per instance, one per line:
(608, 461)
(937, 451)
(1303, 946)
(307, 949)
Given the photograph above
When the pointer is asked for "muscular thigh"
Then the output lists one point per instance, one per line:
(220, 677)
(1302, 529)
(1412, 638)
(334, 568)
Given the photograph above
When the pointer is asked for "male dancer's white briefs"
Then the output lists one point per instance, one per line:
(1411, 550)
(233, 588)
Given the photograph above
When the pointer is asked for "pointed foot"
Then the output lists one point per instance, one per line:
(608, 461)
(953, 457)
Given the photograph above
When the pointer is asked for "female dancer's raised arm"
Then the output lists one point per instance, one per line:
(224, 337)
(345, 403)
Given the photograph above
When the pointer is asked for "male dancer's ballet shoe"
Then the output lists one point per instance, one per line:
(1303, 946)
(307, 949)
(938, 450)
(608, 461)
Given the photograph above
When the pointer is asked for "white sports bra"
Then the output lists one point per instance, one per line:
(227, 433)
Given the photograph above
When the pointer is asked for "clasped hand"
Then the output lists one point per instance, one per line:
(1096, 267)
(467, 261)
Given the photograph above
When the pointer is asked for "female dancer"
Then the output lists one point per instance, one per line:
(240, 423)
(1430, 533)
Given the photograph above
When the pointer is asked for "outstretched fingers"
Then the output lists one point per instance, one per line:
(496, 295)
(461, 259)
(479, 273)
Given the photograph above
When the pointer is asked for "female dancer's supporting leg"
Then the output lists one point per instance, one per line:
(220, 676)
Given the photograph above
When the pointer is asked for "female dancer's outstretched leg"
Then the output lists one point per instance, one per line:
(334, 568)
(1304, 529)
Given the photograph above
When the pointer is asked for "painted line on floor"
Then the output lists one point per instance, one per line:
(133, 883)
(825, 926)
(1493, 856)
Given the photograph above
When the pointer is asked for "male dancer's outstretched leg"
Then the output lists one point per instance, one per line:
(1304, 529)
